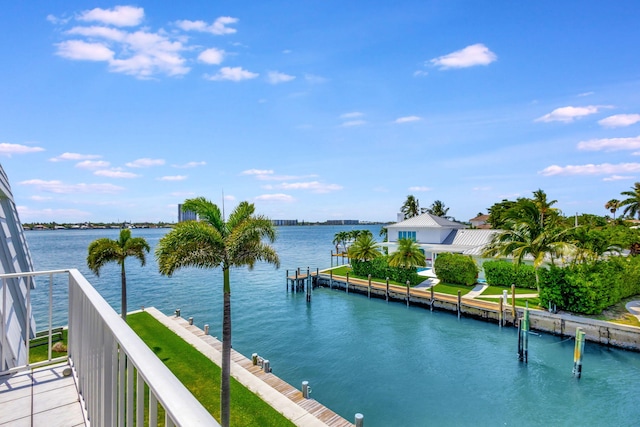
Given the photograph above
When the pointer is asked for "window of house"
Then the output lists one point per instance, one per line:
(407, 235)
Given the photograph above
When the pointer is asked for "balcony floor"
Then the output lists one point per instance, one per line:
(43, 397)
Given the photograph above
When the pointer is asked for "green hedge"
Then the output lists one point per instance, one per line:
(591, 287)
(456, 269)
(506, 273)
(379, 268)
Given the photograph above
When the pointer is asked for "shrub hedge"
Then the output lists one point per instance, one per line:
(456, 269)
(589, 288)
(379, 268)
(506, 273)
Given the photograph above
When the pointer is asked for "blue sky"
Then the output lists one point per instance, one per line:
(316, 110)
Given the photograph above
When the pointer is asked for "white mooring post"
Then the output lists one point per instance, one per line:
(305, 389)
(359, 420)
(206, 329)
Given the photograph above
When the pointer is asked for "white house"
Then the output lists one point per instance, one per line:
(436, 235)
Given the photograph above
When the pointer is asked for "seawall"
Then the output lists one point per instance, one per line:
(564, 325)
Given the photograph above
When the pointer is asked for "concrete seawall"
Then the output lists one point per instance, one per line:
(598, 331)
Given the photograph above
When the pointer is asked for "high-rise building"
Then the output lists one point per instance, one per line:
(186, 215)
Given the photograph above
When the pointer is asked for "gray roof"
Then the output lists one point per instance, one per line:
(466, 241)
(426, 220)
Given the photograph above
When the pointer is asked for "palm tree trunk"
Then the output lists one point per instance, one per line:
(123, 277)
(225, 395)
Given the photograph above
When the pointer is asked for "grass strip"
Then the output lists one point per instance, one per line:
(497, 290)
(202, 377)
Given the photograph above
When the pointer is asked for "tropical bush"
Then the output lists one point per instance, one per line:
(379, 268)
(506, 273)
(456, 269)
(589, 288)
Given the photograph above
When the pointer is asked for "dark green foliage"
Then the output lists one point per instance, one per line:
(456, 269)
(379, 268)
(590, 287)
(506, 273)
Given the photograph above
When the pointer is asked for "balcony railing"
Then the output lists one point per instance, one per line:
(112, 366)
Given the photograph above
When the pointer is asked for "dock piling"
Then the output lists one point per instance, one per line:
(513, 300)
(359, 420)
(459, 302)
(387, 293)
(308, 286)
(305, 389)
(432, 299)
(369, 290)
(408, 292)
(206, 329)
(577, 353)
(347, 285)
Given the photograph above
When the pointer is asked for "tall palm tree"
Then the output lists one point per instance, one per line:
(612, 205)
(213, 242)
(411, 207)
(407, 255)
(103, 251)
(339, 238)
(365, 248)
(438, 209)
(632, 202)
(543, 205)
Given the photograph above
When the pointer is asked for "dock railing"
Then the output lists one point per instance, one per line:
(109, 361)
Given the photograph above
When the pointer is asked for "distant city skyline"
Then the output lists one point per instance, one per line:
(317, 110)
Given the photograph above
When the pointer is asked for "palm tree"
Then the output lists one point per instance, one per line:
(527, 238)
(103, 251)
(341, 237)
(213, 242)
(438, 209)
(632, 202)
(543, 205)
(411, 207)
(612, 205)
(365, 248)
(407, 255)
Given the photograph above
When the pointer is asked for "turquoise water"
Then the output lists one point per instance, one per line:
(398, 366)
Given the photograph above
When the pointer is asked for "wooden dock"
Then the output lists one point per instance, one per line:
(285, 398)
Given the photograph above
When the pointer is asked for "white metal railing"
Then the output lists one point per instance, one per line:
(109, 360)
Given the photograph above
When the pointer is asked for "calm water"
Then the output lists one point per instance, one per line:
(398, 366)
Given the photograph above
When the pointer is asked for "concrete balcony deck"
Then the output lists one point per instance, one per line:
(43, 397)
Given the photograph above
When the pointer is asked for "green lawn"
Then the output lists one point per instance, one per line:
(497, 290)
(445, 288)
(202, 377)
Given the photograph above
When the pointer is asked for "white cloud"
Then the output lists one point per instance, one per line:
(585, 94)
(477, 54)
(568, 114)
(617, 178)
(275, 77)
(258, 172)
(487, 188)
(59, 187)
(408, 119)
(619, 120)
(61, 215)
(218, 27)
(83, 51)
(173, 178)
(313, 79)
(145, 163)
(7, 149)
(610, 144)
(420, 73)
(74, 156)
(591, 169)
(353, 123)
(212, 56)
(275, 198)
(418, 188)
(120, 16)
(234, 74)
(190, 165)
(38, 198)
(99, 32)
(115, 173)
(314, 186)
(92, 164)
(352, 115)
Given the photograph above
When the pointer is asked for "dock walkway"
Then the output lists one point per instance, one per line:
(279, 394)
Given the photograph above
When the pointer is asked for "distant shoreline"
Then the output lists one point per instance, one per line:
(110, 226)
